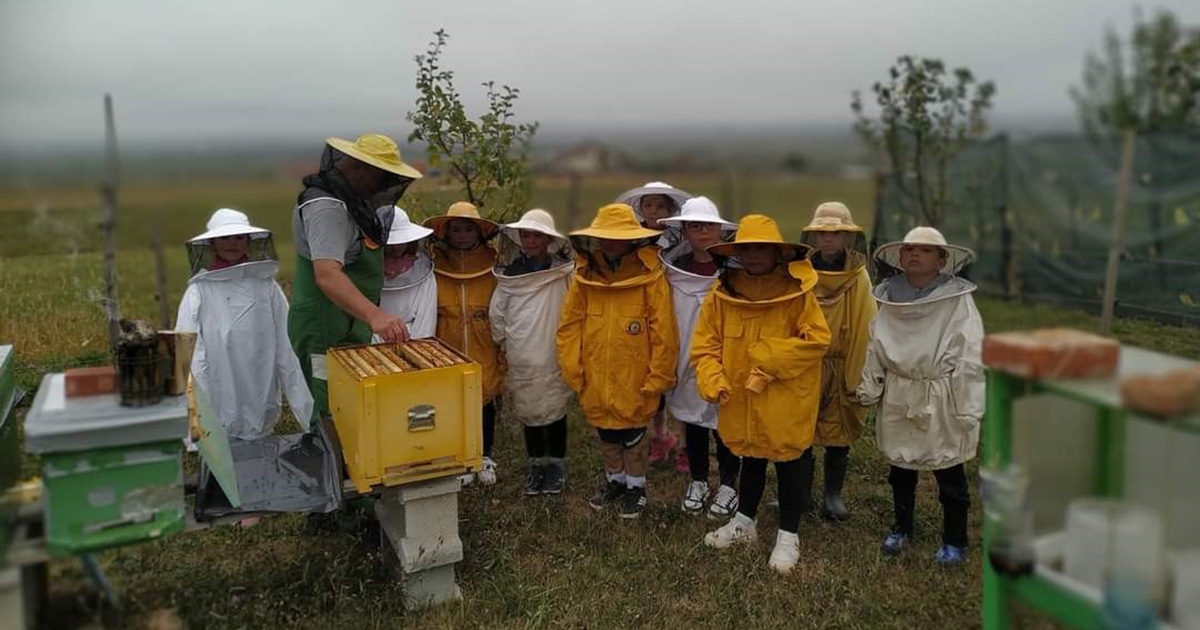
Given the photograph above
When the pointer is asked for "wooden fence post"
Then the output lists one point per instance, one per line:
(1117, 242)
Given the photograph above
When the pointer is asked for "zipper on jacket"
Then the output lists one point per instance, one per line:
(462, 296)
(607, 355)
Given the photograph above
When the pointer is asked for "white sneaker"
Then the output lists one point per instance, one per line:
(739, 530)
(724, 504)
(697, 493)
(465, 480)
(487, 475)
(786, 553)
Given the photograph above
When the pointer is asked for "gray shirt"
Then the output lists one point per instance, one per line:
(323, 230)
(899, 290)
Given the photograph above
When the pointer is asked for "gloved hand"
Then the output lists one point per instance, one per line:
(757, 381)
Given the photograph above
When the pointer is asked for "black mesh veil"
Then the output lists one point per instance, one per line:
(508, 249)
(330, 180)
(202, 256)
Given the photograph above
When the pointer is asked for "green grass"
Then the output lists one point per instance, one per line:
(552, 562)
(540, 563)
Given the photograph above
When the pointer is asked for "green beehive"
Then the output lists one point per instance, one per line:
(10, 454)
(10, 451)
(112, 475)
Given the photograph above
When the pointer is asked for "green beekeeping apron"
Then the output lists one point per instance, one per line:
(316, 324)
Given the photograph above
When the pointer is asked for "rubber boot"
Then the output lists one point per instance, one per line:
(836, 462)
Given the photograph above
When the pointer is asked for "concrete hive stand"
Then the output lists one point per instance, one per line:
(420, 521)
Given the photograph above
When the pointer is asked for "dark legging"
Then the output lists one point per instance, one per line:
(795, 481)
(547, 441)
(489, 427)
(953, 494)
(728, 464)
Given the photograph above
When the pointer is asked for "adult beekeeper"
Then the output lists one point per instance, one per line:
(533, 271)
(243, 361)
(691, 271)
(844, 291)
(409, 284)
(339, 236)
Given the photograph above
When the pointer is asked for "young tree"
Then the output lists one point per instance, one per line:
(926, 117)
(1155, 89)
(488, 156)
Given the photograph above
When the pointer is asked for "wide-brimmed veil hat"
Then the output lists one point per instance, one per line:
(535, 220)
(698, 210)
(633, 196)
(758, 228)
(403, 230)
(462, 210)
(225, 222)
(957, 256)
(229, 222)
(376, 150)
(832, 216)
(616, 222)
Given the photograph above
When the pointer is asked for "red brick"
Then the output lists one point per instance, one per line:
(1170, 394)
(91, 381)
(1052, 353)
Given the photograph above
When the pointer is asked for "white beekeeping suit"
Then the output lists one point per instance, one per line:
(923, 363)
(524, 317)
(688, 291)
(243, 361)
(411, 293)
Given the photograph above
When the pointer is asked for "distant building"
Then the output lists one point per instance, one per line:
(587, 158)
(856, 171)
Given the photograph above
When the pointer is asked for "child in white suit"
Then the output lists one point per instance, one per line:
(533, 271)
(243, 360)
(924, 369)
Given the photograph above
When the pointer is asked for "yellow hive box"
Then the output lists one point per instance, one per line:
(401, 421)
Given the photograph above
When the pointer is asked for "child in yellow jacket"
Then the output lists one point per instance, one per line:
(463, 260)
(617, 347)
(757, 351)
(844, 292)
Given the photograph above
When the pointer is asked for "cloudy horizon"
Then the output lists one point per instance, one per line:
(229, 72)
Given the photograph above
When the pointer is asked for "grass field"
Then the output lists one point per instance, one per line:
(544, 563)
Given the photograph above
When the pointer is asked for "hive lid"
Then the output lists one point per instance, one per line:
(58, 424)
(297, 472)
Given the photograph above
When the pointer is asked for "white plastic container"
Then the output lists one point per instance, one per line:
(1111, 540)
(1185, 593)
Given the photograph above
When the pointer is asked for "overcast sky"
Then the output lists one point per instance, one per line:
(223, 70)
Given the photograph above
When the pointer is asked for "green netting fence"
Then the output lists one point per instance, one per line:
(1039, 214)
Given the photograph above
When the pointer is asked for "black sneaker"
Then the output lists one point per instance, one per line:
(535, 480)
(555, 479)
(632, 503)
(610, 493)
